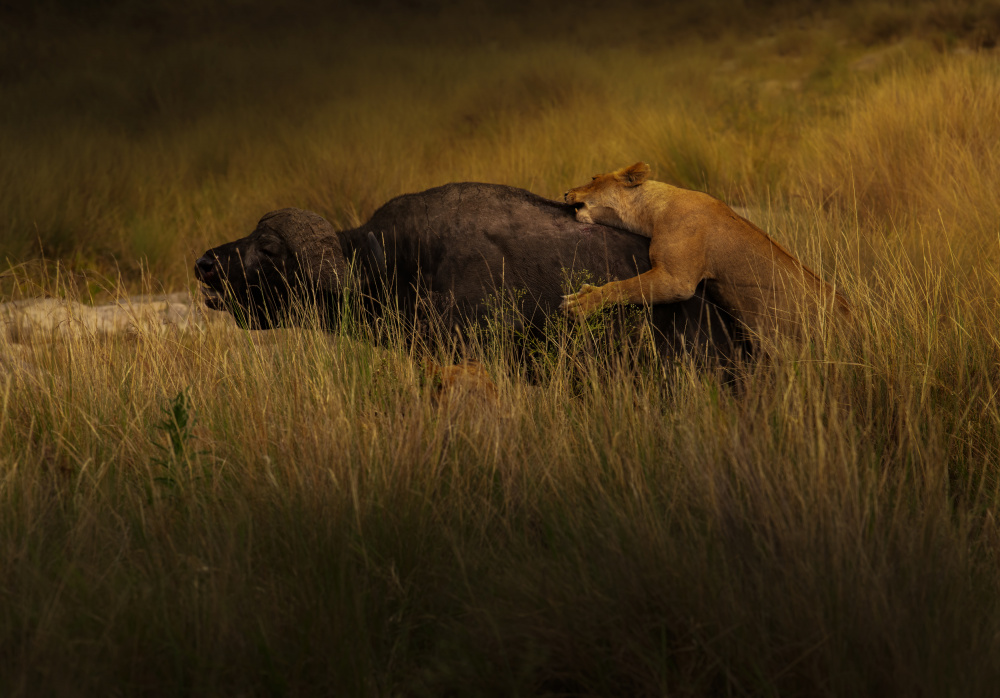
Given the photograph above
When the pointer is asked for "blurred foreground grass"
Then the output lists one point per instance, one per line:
(225, 513)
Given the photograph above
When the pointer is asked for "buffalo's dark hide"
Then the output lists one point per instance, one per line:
(442, 257)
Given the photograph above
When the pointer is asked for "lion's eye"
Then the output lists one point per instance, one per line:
(594, 178)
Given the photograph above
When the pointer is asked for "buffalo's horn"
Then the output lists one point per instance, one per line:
(378, 253)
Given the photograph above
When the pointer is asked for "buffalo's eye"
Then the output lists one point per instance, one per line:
(272, 250)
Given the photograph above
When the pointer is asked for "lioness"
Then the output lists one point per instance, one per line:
(693, 238)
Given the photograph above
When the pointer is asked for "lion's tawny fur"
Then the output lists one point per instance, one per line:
(467, 382)
(693, 238)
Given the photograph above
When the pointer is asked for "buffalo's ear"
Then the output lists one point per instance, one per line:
(633, 175)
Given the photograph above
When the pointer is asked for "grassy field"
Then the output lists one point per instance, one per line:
(219, 512)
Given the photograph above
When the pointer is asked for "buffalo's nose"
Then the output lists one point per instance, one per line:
(204, 267)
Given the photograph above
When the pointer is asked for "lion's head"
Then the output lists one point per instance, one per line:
(606, 196)
(292, 257)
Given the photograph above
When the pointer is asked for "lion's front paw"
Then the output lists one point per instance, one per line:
(583, 302)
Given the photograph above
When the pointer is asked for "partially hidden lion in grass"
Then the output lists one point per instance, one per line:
(695, 237)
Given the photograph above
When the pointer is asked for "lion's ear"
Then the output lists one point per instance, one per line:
(634, 175)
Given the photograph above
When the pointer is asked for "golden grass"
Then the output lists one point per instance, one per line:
(917, 151)
(225, 512)
(115, 160)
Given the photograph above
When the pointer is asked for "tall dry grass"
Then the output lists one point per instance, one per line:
(153, 138)
(917, 151)
(229, 512)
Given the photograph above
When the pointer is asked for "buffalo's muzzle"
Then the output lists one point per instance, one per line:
(205, 268)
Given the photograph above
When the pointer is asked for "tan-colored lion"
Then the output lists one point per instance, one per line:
(466, 383)
(693, 238)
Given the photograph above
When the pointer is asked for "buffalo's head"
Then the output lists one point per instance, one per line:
(291, 260)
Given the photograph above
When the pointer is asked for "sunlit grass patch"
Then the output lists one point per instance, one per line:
(916, 151)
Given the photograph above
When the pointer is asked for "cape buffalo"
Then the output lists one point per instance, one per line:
(453, 249)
